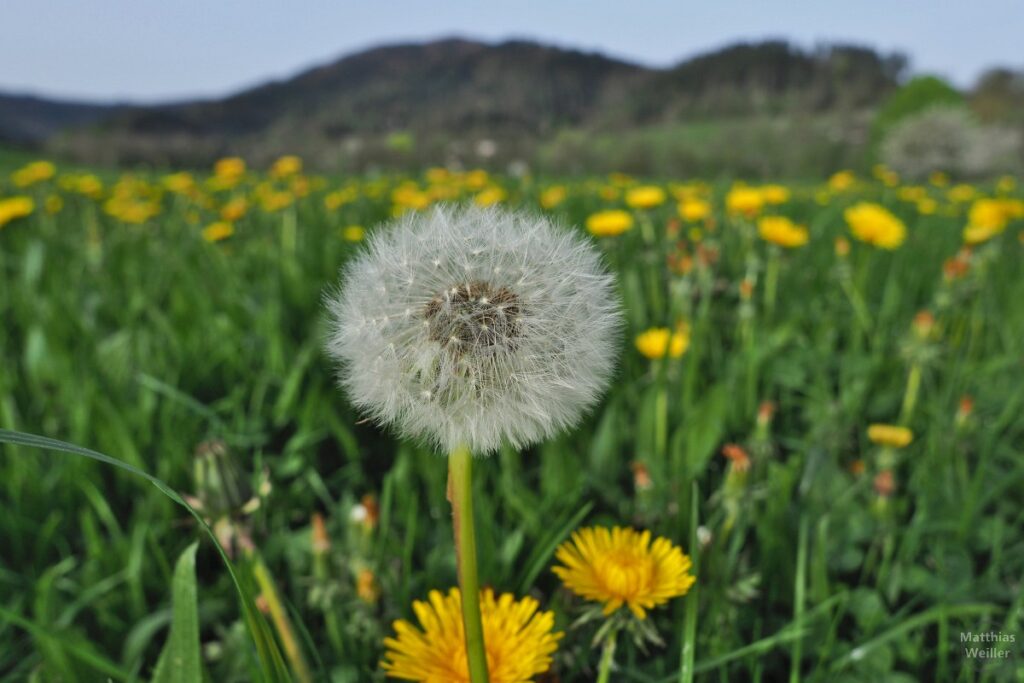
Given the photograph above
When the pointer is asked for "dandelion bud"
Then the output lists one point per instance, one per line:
(320, 540)
(842, 246)
(220, 485)
(475, 326)
(738, 458)
(964, 410)
(366, 587)
(641, 476)
(765, 413)
(924, 323)
(885, 483)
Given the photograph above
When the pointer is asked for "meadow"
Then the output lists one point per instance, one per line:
(819, 397)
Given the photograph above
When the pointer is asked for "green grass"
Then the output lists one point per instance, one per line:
(144, 342)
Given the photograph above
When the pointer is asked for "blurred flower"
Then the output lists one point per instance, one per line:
(353, 233)
(366, 512)
(234, 209)
(782, 231)
(54, 204)
(694, 210)
(875, 225)
(33, 173)
(658, 342)
(857, 467)
(621, 566)
(842, 247)
(745, 201)
(645, 197)
(518, 637)
(890, 435)
(775, 194)
(843, 180)
(490, 196)
(609, 223)
(15, 207)
(553, 196)
(220, 230)
(229, 167)
(286, 167)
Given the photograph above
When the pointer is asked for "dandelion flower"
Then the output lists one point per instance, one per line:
(782, 231)
(890, 435)
(15, 207)
(609, 223)
(621, 566)
(217, 231)
(645, 197)
(659, 342)
(519, 640)
(746, 201)
(875, 225)
(470, 327)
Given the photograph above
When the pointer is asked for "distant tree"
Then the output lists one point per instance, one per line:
(918, 94)
(998, 96)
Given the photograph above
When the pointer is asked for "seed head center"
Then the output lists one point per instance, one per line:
(473, 315)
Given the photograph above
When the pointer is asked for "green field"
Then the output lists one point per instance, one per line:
(200, 362)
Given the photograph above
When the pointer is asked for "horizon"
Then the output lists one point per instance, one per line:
(155, 55)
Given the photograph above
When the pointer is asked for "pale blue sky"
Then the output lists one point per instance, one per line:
(149, 50)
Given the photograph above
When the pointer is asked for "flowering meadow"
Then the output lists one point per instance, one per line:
(785, 444)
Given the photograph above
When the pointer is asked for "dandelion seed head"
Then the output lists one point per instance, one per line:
(486, 326)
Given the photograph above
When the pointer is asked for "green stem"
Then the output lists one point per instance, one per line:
(910, 397)
(771, 282)
(798, 600)
(607, 657)
(460, 493)
(689, 645)
(282, 623)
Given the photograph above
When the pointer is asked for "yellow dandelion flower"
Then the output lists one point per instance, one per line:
(609, 223)
(744, 201)
(875, 225)
(843, 180)
(645, 197)
(890, 435)
(353, 233)
(519, 640)
(621, 566)
(15, 207)
(489, 196)
(782, 231)
(694, 210)
(33, 173)
(215, 232)
(658, 342)
(234, 209)
(775, 194)
(229, 167)
(286, 166)
(553, 196)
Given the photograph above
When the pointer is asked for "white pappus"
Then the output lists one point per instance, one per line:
(468, 326)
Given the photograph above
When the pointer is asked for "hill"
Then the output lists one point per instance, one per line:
(464, 100)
